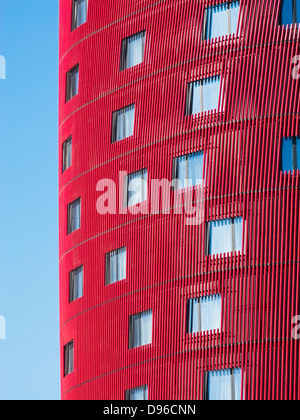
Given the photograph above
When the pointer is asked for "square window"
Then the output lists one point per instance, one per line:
(224, 385)
(135, 188)
(72, 83)
(79, 13)
(203, 95)
(69, 358)
(290, 154)
(225, 236)
(76, 284)
(115, 266)
(67, 154)
(137, 394)
(289, 12)
(74, 216)
(123, 123)
(188, 170)
(204, 314)
(132, 51)
(221, 20)
(140, 329)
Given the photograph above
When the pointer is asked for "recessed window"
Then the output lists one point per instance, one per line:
(67, 154)
(74, 210)
(137, 394)
(224, 385)
(225, 236)
(203, 95)
(79, 13)
(290, 154)
(188, 170)
(123, 123)
(135, 188)
(132, 51)
(115, 266)
(140, 329)
(76, 284)
(289, 12)
(72, 83)
(221, 20)
(69, 358)
(204, 314)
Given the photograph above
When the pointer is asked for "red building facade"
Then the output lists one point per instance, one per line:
(166, 262)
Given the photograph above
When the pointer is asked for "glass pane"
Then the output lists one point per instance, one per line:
(234, 17)
(68, 153)
(194, 315)
(287, 154)
(140, 393)
(195, 168)
(219, 21)
(76, 215)
(182, 172)
(113, 267)
(211, 313)
(238, 234)
(137, 187)
(287, 12)
(221, 237)
(120, 125)
(298, 11)
(222, 19)
(70, 350)
(81, 12)
(74, 82)
(129, 120)
(237, 373)
(135, 50)
(136, 334)
(78, 283)
(197, 104)
(122, 264)
(211, 92)
(219, 386)
(146, 328)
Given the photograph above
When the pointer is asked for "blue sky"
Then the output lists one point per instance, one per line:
(29, 357)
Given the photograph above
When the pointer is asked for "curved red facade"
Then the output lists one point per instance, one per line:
(166, 259)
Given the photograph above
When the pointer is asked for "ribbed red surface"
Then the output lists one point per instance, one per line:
(166, 262)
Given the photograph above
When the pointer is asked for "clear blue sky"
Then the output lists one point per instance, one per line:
(29, 358)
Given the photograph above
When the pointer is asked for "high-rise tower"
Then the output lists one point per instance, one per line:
(192, 293)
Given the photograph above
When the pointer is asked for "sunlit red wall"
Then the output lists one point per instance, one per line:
(166, 261)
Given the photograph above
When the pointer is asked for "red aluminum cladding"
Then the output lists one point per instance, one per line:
(166, 259)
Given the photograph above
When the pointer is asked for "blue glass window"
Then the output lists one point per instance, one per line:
(290, 154)
(204, 314)
(136, 188)
(132, 51)
(76, 284)
(225, 236)
(224, 385)
(203, 95)
(221, 20)
(289, 12)
(137, 394)
(123, 123)
(74, 216)
(140, 329)
(79, 15)
(115, 266)
(188, 170)
(72, 84)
